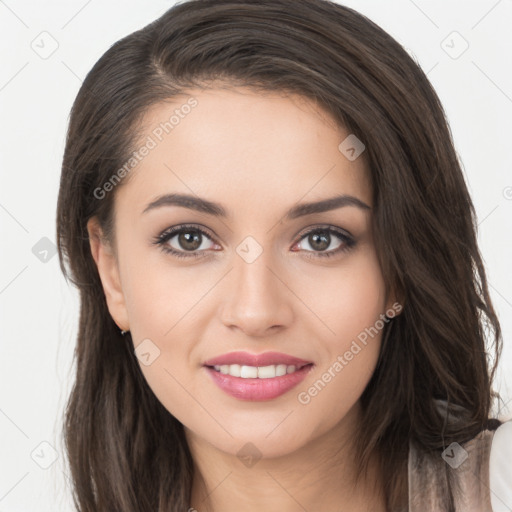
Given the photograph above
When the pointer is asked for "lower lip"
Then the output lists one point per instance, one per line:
(258, 389)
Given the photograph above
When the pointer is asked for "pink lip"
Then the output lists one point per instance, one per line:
(264, 359)
(258, 389)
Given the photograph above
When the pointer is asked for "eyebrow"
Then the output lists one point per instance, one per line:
(217, 210)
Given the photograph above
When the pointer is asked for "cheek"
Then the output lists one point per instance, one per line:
(158, 294)
(347, 299)
(164, 304)
(350, 347)
(160, 300)
(350, 307)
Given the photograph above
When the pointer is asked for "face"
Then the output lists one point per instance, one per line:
(254, 279)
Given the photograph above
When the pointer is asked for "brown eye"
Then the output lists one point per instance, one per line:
(184, 241)
(320, 239)
(188, 241)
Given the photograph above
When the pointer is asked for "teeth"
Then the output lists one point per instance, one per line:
(253, 372)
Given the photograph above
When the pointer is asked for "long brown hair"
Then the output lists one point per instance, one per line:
(126, 451)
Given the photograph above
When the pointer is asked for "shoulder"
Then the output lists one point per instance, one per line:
(477, 473)
(500, 468)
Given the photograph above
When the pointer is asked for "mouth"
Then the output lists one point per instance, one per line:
(257, 372)
(257, 383)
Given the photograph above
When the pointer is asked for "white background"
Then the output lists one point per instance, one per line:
(39, 311)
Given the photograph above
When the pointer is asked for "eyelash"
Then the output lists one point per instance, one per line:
(162, 239)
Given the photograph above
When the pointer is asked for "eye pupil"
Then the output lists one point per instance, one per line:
(320, 240)
(189, 241)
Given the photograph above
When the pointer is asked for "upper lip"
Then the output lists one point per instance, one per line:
(264, 359)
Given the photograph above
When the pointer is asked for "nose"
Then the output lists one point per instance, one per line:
(257, 298)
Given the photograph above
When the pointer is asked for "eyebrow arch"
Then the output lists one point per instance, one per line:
(217, 210)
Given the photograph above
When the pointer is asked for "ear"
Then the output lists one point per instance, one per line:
(108, 270)
(395, 301)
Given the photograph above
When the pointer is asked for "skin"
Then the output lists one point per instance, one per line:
(258, 155)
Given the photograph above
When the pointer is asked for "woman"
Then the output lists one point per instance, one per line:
(282, 298)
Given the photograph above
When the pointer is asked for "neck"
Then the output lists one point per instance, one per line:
(318, 476)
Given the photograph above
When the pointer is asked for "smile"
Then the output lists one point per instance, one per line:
(256, 372)
(257, 383)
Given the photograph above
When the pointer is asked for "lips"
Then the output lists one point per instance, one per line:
(264, 359)
(258, 389)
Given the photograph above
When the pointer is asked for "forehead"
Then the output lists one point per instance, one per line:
(209, 141)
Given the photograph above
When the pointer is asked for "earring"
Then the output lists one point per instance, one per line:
(124, 332)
